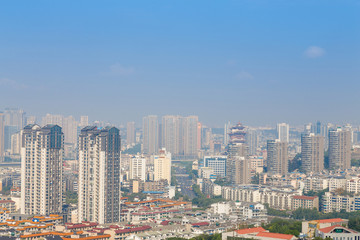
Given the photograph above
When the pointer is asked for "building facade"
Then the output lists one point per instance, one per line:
(277, 157)
(339, 149)
(99, 175)
(42, 170)
(312, 152)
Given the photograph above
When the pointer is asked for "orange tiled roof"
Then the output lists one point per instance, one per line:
(250, 230)
(90, 238)
(329, 229)
(332, 220)
(275, 235)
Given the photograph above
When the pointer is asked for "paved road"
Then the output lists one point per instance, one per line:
(184, 182)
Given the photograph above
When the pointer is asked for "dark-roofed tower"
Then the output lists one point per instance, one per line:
(42, 169)
(99, 175)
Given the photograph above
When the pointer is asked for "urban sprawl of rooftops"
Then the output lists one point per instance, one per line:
(175, 178)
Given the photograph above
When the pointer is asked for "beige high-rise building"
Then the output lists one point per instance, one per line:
(162, 166)
(150, 135)
(42, 170)
(312, 152)
(68, 124)
(339, 149)
(130, 133)
(277, 157)
(171, 134)
(190, 129)
(99, 175)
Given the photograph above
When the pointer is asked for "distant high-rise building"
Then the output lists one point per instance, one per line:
(226, 133)
(138, 168)
(2, 124)
(70, 130)
(16, 144)
(42, 170)
(14, 117)
(84, 121)
(9, 130)
(99, 175)
(190, 129)
(339, 149)
(312, 152)
(150, 135)
(252, 141)
(277, 157)
(53, 119)
(283, 132)
(30, 120)
(199, 130)
(162, 166)
(238, 164)
(217, 163)
(130, 133)
(180, 135)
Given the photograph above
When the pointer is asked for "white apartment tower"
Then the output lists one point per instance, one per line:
(283, 132)
(99, 175)
(162, 166)
(138, 168)
(42, 170)
(130, 133)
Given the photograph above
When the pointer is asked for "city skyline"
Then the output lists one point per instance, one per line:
(200, 56)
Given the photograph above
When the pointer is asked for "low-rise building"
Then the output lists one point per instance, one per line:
(337, 232)
(305, 202)
(309, 227)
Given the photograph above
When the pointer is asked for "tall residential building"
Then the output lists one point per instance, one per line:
(190, 129)
(2, 123)
(42, 170)
(226, 133)
(30, 120)
(283, 132)
(162, 166)
(217, 163)
(14, 117)
(9, 130)
(312, 152)
(180, 135)
(137, 168)
(130, 133)
(238, 164)
(99, 175)
(277, 157)
(150, 135)
(68, 124)
(84, 121)
(252, 141)
(339, 149)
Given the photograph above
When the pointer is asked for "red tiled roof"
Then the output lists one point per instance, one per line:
(305, 197)
(250, 230)
(275, 235)
(7, 201)
(332, 220)
(130, 230)
(329, 229)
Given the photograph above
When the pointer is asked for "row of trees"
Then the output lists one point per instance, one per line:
(201, 200)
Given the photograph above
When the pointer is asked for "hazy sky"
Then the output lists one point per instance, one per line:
(257, 61)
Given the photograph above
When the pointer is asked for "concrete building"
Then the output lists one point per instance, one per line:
(42, 170)
(99, 175)
(315, 184)
(137, 168)
(162, 166)
(252, 140)
(312, 152)
(218, 163)
(277, 157)
(304, 202)
(282, 130)
(337, 232)
(339, 149)
(332, 202)
(130, 133)
(150, 135)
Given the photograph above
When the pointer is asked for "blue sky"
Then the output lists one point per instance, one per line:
(257, 61)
